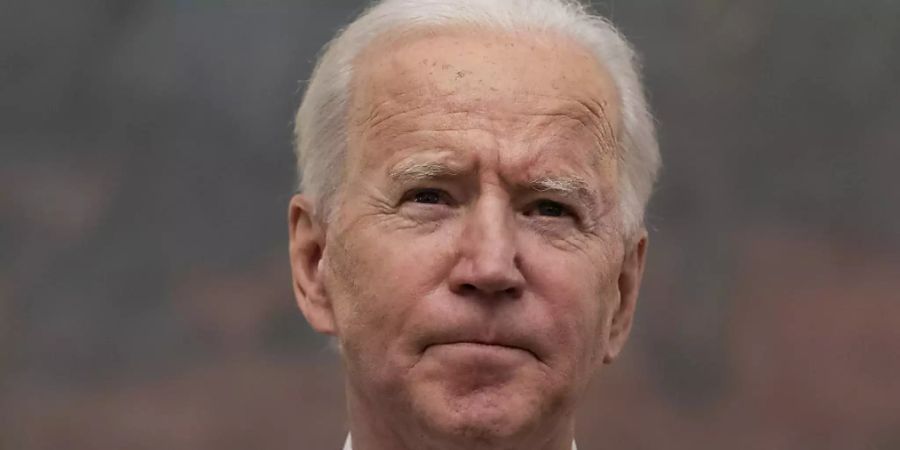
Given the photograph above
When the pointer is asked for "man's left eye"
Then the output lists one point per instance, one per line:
(549, 208)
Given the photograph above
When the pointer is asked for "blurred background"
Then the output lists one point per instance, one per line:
(146, 166)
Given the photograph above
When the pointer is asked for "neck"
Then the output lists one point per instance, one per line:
(378, 426)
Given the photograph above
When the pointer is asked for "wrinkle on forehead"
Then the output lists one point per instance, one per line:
(548, 122)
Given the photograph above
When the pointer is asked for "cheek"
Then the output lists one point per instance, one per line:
(377, 278)
(577, 293)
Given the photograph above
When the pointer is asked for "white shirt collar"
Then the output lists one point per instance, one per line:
(348, 445)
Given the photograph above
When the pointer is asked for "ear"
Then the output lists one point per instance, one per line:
(307, 245)
(629, 285)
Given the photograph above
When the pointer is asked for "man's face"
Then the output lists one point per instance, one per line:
(475, 273)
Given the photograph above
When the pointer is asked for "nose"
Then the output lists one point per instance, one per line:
(489, 262)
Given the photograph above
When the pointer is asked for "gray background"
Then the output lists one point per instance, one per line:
(146, 166)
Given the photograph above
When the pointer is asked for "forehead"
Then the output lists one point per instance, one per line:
(532, 85)
(449, 60)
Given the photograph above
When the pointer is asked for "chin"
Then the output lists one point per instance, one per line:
(483, 418)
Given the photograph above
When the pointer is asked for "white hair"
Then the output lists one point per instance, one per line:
(321, 124)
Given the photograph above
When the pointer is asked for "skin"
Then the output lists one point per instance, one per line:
(476, 273)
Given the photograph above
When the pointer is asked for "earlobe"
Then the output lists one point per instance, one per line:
(629, 284)
(307, 245)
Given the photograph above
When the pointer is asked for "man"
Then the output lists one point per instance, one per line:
(474, 174)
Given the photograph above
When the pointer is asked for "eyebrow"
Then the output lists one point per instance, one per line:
(564, 185)
(418, 171)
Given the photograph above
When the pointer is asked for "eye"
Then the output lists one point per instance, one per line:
(549, 208)
(427, 196)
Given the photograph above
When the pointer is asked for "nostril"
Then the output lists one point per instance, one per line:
(512, 292)
(467, 289)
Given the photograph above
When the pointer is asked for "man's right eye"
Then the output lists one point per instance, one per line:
(428, 197)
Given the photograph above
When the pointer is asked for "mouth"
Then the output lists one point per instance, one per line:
(483, 345)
